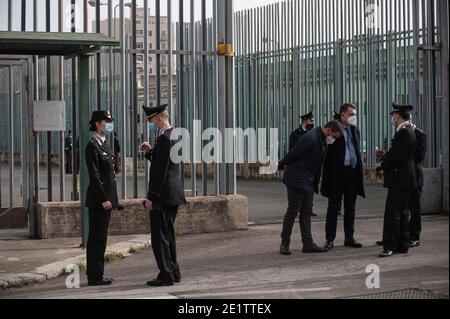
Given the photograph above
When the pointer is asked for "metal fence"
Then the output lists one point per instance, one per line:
(298, 56)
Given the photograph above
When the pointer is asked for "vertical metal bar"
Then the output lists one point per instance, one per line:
(62, 174)
(84, 139)
(443, 9)
(24, 15)
(98, 66)
(123, 103)
(11, 136)
(146, 88)
(193, 100)
(158, 55)
(169, 58)
(10, 15)
(204, 108)
(215, 35)
(134, 99)
(75, 152)
(49, 97)
(181, 105)
(110, 68)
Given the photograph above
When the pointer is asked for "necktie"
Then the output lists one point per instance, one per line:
(351, 149)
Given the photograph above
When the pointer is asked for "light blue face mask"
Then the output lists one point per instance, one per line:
(152, 128)
(109, 128)
(392, 121)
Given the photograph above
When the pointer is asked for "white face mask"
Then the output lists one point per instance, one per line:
(330, 140)
(352, 120)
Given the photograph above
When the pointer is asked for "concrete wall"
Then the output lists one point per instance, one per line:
(199, 215)
(432, 199)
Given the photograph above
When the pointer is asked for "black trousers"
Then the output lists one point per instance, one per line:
(96, 245)
(415, 207)
(163, 241)
(349, 184)
(396, 220)
(298, 202)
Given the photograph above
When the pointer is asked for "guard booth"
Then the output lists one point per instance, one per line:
(19, 156)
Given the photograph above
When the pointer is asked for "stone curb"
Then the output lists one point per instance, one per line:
(56, 269)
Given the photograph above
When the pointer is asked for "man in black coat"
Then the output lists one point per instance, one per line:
(303, 166)
(101, 196)
(165, 195)
(400, 180)
(343, 178)
(306, 126)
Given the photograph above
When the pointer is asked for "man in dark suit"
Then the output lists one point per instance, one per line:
(306, 125)
(400, 180)
(343, 178)
(303, 166)
(165, 195)
(101, 196)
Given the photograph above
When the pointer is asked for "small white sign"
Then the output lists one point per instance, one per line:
(49, 116)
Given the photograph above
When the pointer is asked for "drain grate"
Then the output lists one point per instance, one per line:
(404, 294)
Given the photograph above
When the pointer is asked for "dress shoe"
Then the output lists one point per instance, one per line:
(386, 253)
(102, 282)
(159, 283)
(414, 243)
(379, 243)
(314, 249)
(284, 250)
(328, 245)
(352, 243)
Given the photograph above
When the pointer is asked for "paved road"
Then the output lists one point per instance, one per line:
(246, 264)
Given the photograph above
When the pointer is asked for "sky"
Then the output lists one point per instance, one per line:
(238, 5)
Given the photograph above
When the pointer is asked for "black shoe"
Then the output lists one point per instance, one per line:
(352, 243)
(402, 251)
(314, 249)
(414, 243)
(284, 250)
(328, 245)
(386, 253)
(178, 279)
(314, 215)
(103, 282)
(159, 283)
(379, 243)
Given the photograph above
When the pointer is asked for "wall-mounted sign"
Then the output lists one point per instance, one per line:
(49, 116)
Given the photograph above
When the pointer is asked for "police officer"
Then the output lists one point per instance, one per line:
(165, 194)
(101, 196)
(306, 126)
(400, 180)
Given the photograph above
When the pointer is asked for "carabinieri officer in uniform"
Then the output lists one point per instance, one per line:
(101, 196)
(165, 194)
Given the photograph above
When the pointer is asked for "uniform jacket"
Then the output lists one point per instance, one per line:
(102, 179)
(295, 136)
(165, 187)
(399, 162)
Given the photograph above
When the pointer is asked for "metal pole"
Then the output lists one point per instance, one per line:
(10, 15)
(146, 100)
(443, 9)
(123, 100)
(62, 180)
(181, 76)
(11, 137)
(84, 139)
(204, 108)
(193, 101)
(49, 97)
(134, 98)
(169, 61)
(98, 66)
(74, 93)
